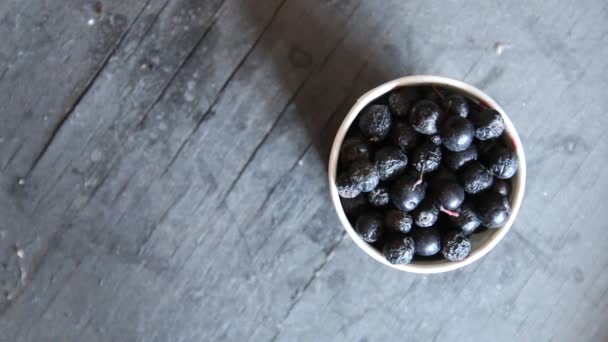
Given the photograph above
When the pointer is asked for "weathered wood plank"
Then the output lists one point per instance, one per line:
(261, 51)
(142, 41)
(50, 53)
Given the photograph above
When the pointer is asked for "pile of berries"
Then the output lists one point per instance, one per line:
(423, 168)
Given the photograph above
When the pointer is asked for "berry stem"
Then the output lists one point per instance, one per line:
(438, 92)
(419, 180)
(449, 212)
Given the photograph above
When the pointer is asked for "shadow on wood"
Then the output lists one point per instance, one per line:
(340, 61)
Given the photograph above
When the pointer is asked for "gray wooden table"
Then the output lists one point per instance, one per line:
(163, 170)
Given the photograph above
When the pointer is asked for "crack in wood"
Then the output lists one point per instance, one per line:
(86, 89)
(223, 89)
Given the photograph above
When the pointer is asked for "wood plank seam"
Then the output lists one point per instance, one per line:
(314, 71)
(147, 31)
(87, 87)
(154, 102)
(222, 89)
(12, 157)
(271, 191)
(266, 135)
(61, 231)
(300, 293)
(217, 98)
(181, 65)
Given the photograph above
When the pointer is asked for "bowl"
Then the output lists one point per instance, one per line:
(481, 242)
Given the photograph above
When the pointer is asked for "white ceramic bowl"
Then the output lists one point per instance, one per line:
(482, 242)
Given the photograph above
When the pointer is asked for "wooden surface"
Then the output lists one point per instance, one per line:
(163, 170)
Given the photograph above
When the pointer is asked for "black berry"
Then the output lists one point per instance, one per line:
(456, 133)
(426, 214)
(425, 116)
(488, 124)
(427, 241)
(456, 105)
(456, 246)
(426, 157)
(467, 219)
(501, 186)
(406, 193)
(364, 175)
(455, 160)
(502, 162)
(436, 139)
(442, 174)
(493, 209)
(399, 249)
(352, 149)
(397, 221)
(404, 136)
(430, 163)
(346, 187)
(390, 161)
(401, 100)
(475, 177)
(449, 195)
(375, 122)
(369, 227)
(378, 197)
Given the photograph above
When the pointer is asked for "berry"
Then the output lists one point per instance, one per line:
(488, 124)
(467, 220)
(426, 214)
(459, 145)
(397, 221)
(493, 209)
(475, 177)
(352, 206)
(400, 101)
(406, 193)
(346, 187)
(427, 241)
(353, 149)
(501, 186)
(404, 136)
(449, 195)
(391, 162)
(443, 173)
(426, 157)
(399, 250)
(369, 227)
(364, 175)
(375, 122)
(456, 246)
(454, 160)
(502, 162)
(436, 139)
(456, 105)
(424, 117)
(456, 133)
(378, 197)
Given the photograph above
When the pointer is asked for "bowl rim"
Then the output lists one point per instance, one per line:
(471, 91)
